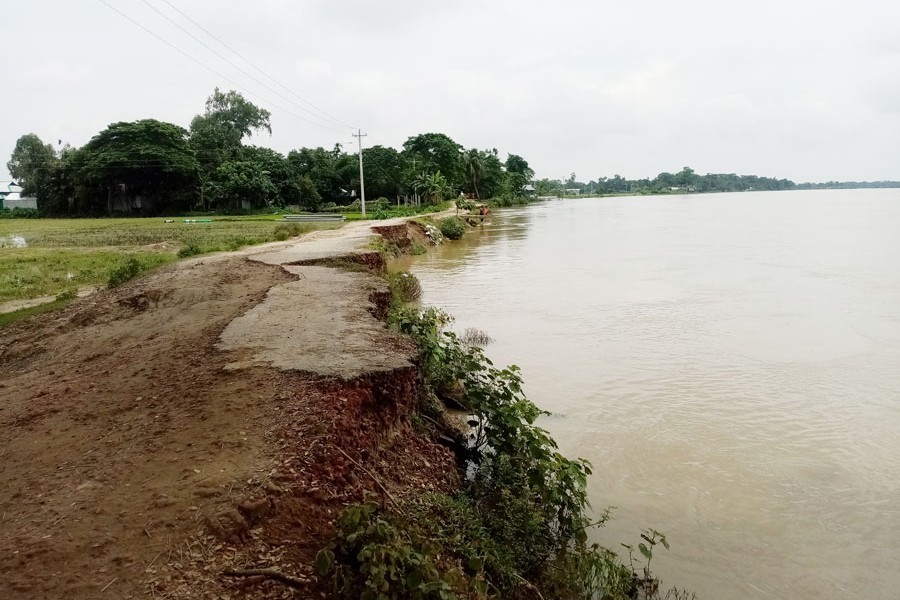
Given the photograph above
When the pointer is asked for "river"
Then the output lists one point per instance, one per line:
(729, 363)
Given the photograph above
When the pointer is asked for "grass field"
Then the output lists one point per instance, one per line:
(60, 255)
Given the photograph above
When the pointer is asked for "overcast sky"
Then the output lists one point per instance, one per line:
(803, 89)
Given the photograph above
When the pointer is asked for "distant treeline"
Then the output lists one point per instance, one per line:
(848, 185)
(152, 167)
(687, 181)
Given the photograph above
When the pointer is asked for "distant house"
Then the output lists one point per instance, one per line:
(528, 190)
(11, 196)
(8, 188)
(573, 191)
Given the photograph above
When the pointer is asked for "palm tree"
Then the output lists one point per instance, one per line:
(474, 165)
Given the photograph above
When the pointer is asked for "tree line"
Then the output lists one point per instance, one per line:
(687, 181)
(153, 167)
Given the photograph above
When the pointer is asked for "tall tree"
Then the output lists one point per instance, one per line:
(243, 180)
(432, 152)
(279, 172)
(216, 135)
(474, 166)
(31, 163)
(384, 172)
(146, 165)
(518, 174)
(331, 171)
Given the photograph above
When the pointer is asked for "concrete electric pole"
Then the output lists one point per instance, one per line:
(359, 135)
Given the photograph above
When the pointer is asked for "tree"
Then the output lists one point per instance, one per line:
(384, 172)
(331, 171)
(474, 166)
(278, 169)
(518, 174)
(243, 180)
(216, 135)
(686, 178)
(432, 152)
(31, 163)
(493, 174)
(146, 165)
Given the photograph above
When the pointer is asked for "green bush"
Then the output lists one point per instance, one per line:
(354, 206)
(452, 228)
(380, 203)
(286, 231)
(192, 248)
(19, 213)
(405, 287)
(465, 204)
(130, 268)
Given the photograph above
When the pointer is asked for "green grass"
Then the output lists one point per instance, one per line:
(63, 254)
(24, 313)
(35, 272)
(96, 233)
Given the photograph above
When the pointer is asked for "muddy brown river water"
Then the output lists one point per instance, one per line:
(729, 363)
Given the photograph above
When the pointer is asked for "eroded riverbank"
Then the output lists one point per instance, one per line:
(214, 415)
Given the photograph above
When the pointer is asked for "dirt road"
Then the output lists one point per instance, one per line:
(214, 415)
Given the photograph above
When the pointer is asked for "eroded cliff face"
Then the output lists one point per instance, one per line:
(214, 416)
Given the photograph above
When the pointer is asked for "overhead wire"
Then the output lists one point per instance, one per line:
(232, 63)
(214, 71)
(257, 68)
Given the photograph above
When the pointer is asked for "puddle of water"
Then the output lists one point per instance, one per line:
(13, 241)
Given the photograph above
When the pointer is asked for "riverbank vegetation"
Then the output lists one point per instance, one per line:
(518, 525)
(150, 167)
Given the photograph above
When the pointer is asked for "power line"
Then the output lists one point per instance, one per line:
(229, 61)
(258, 69)
(212, 70)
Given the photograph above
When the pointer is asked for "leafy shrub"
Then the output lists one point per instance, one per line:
(405, 287)
(380, 203)
(286, 231)
(130, 268)
(388, 248)
(465, 204)
(372, 559)
(354, 206)
(239, 241)
(192, 248)
(66, 295)
(452, 228)
(19, 213)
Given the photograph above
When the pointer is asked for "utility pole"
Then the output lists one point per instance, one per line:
(359, 135)
(415, 192)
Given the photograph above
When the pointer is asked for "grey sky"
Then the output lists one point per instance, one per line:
(803, 89)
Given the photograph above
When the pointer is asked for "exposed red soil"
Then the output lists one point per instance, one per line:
(134, 464)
